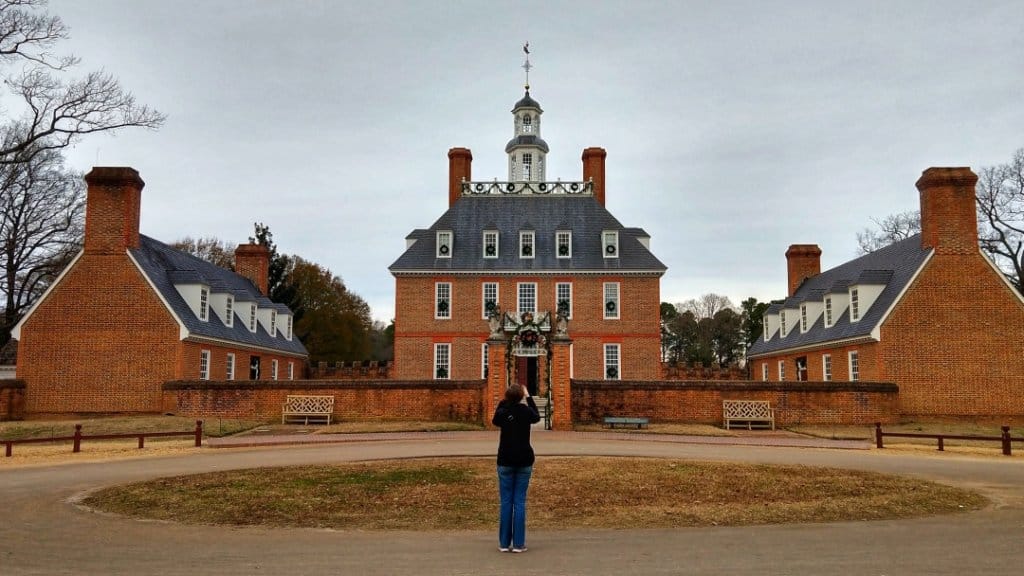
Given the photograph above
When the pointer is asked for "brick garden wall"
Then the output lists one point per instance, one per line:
(434, 400)
(12, 399)
(794, 402)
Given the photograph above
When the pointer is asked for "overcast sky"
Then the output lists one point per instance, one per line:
(733, 129)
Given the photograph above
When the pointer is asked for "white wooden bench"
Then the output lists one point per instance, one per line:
(306, 407)
(754, 413)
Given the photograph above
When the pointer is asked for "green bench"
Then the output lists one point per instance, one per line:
(612, 421)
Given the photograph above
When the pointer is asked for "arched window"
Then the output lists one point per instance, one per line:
(527, 124)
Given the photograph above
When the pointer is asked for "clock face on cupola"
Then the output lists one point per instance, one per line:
(527, 151)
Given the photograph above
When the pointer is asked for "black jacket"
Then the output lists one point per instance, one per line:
(514, 420)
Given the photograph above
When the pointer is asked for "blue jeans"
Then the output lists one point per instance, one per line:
(513, 482)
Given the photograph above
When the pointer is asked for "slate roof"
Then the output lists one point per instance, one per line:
(526, 102)
(584, 216)
(526, 140)
(894, 266)
(165, 266)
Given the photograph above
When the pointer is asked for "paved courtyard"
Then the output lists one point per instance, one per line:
(43, 532)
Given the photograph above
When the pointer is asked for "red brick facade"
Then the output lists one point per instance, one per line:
(12, 400)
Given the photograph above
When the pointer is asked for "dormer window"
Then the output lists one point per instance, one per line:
(854, 305)
(490, 244)
(444, 244)
(527, 124)
(273, 324)
(828, 311)
(252, 317)
(563, 241)
(765, 331)
(204, 304)
(288, 330)
(526, 247)
(610, 244)
(803, 318)
(782, 323)
(229, 311)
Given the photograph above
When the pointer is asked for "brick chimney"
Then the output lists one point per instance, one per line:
(802, 262)
(949, 221)
(460, 162)
(253, 262)
(593, 167)
(112, 210)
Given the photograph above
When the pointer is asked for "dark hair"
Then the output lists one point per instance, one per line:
(514, 394)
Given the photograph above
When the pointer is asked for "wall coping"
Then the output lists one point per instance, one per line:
(15, 384)
(738, 386)
(324, 385)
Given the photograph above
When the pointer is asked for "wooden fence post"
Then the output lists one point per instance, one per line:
(78, 438)
(878, 435)
(199, 433)
(1007, 451)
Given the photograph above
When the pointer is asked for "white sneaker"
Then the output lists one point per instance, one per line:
(519, 550)
(503, 549)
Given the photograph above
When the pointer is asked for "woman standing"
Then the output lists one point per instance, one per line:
(514, 416)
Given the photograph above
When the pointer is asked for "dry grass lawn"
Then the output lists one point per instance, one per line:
(372, 426)
(565, 493)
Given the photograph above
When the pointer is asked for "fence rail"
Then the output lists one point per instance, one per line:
(1005, 438)
(78, 437)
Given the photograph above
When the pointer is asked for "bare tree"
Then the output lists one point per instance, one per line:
(1000, 196)
(706, 306)
(209, 248)
(58, 109)
(892, 228)
(42, 208)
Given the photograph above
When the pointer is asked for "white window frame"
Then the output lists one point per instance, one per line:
(445, 245)
(527, 124)
(288, 334)
(828, 312)
(565, 235)
(612, 297)
(520, 310)
(527, 160)
(442, 293)
(613, 359)
(229, 309)
(527, 243)
(442, 359)
(491, 235)
(229, 366)
(782, 370)
(764, 372)
(782, 323)
(853, 363)
(291, 370)
(273, 369)
(252, 317)
(854, 305)
(826, 367)
(764, 324)
(204, 304)
(558, 297)
(204, 364)
(483, 296)
(803, 318)
(484, 360)
(273, 323)
(610, 240)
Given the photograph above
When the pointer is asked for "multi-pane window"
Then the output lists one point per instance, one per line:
(764, 372)
(484, 360)
(826, 367)
(782, 323)
(442, 300)
(273, 323)
(563, 299)
(229, 369)
(490, 244)
(273, 369)
(612, 368)
(291, 370)
(611, 244)
(490, 298)
(527, 298)
(252, 318)
(803, 318)
(204, 365)
(204, 304)
(854, 305)
(527, 125)
(854, 366)
(527, 166)
(442, 361)
(288, 333)
(828, 311)
(611, 300)
(444, 244)
(782, 370)
(526, 247)
(765, 324)
(229, 311)
(563, 241)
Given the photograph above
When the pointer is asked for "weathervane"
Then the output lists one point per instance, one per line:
(527, 65)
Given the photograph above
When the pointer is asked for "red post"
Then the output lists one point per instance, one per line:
(199, 433)
(1007, 451)
(142, 441)
(878, 435)
(942, 447)
(9, 444)
(78, 438)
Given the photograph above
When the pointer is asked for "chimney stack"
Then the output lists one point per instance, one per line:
(460, 162)
(112, 210)
(949, 221)
(593, 168)
(802, 262)
(253, 261)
